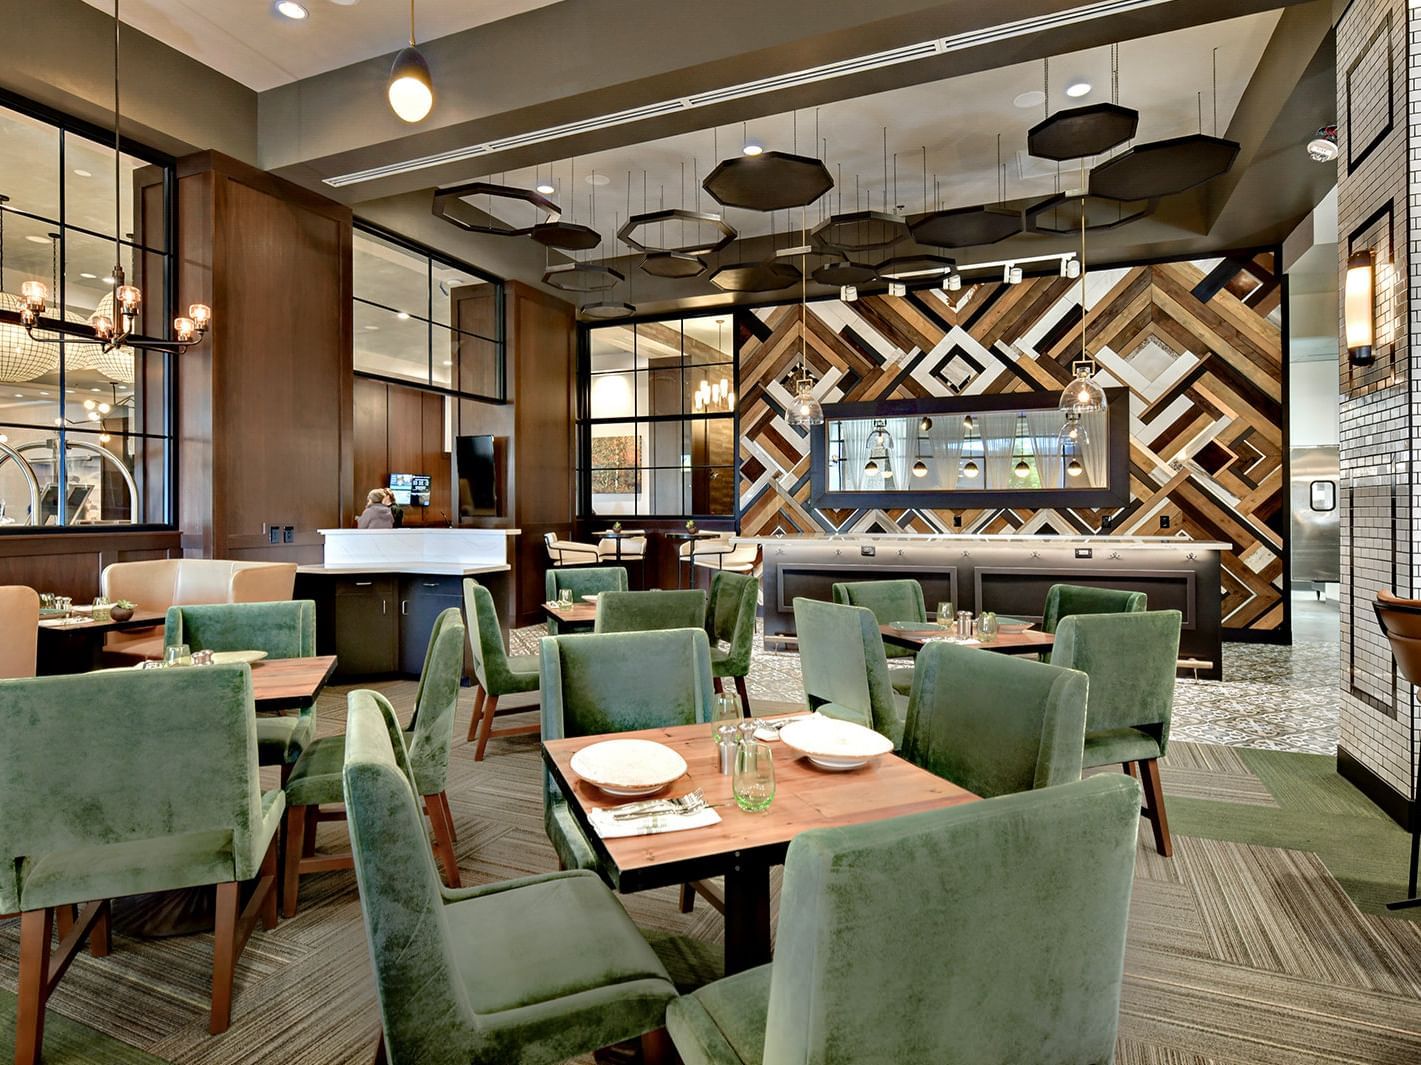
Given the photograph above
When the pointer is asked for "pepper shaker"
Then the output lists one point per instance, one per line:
(727, 741)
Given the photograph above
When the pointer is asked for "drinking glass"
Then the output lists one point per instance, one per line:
(565, 597)
(725, 709)
(987, 627)
(178, 654)
(754, 781)
(101, 608)
(945, 614)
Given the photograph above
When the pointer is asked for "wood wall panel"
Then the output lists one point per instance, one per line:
(371, 450)
(400, 429)
(1201, 355)
(70, 563)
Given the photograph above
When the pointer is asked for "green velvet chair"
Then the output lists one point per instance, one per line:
(1007, 949)
(316, 779)
(125, 782)
(616, 682)
(583, 580)
(496, 672)
(1066, 600)
(1130, 660)
(961, 727)
(890, 601)
(730, 617)
(536, 970)
(845, 669)
(283, 630)
(650, 610)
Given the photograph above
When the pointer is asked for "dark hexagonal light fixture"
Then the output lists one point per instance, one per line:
(909, 267)
(1163, 168)
(568, 236)
(966, 227)
(844, 272)
(1062, 213)
(582, 277)
(673, 264)
(1081, 131)
(770, 181)
(859, 231)
(755, 277)
(704, 244)
(606, 312)
(452, 205)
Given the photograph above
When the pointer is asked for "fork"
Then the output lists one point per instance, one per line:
(690, 803)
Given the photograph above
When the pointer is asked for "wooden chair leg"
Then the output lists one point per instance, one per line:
(101, 933)
(688, 898)
(291, 860)
(744, 695)
(36, 927)
(717, 684)
(380, 1058)
(478, 712)
(449, 816)
(224, 955)
(657, 1048)
(485, 726)
(313, 820)
(1154, 795)
(1130, 768)
(443, 840)
(64, 917)
(269, 874)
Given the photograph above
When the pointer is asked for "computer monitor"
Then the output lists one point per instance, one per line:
(410, 489)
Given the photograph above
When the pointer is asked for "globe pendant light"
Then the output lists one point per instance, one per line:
(1070, 440)
(410, 89)
(1083, 395)
(1022, 469)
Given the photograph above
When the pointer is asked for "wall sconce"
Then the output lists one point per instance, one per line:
(1359, 307)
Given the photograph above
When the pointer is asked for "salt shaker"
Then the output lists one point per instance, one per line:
(964, 624)
(727, 739)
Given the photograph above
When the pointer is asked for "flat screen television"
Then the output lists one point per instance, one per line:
(410, 489)
(478, 476)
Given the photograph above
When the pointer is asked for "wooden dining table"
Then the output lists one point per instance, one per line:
(578, 613)
(75, 644)
(1030, 642)
(289, 683)
(743, 847)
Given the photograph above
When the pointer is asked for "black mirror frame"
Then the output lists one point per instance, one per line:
(1116, 494)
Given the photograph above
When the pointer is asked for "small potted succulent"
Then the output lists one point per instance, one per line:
(616, 526)
(691, 526)
(121, 610)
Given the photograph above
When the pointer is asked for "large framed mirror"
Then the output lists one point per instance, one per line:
(1014, 450)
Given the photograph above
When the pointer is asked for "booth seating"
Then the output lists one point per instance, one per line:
(19, 618)
(158, 584)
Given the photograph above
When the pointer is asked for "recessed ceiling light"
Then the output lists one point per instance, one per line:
(89, 277)
(448, 362)
(1034, 98)
(82, 173)
(598, 179)
(403, 316)
(291, 9)
(372, 328)
(36, 239)
(546, 189)
(1076, 89)
(106, 280)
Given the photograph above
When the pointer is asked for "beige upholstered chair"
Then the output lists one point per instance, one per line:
(633, 549)
(570, 552)
(723, 555)
(19, 618)
(160, 583)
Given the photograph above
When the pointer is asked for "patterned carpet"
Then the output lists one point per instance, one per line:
(1261, 942)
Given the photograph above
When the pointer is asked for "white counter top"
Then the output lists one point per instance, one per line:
(431, 569)
(987, 540)
(450, 551)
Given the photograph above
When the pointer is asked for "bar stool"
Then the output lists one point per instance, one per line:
(1400, 620)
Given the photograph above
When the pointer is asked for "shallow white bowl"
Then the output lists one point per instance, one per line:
(628, 767)
(228, 658)
(833, 744)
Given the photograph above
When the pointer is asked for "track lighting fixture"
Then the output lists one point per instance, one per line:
(848, 293)
(898, 288)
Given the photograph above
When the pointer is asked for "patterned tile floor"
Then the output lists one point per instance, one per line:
(1280, 698)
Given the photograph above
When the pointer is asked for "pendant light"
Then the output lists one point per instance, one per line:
(804, 409)
(969, 469)
(1022, 469)
(1083, 395)
(1070, 440)
(410, 89)
(116, 318)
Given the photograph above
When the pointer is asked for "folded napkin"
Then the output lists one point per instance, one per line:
(608, 827)
(952, 639)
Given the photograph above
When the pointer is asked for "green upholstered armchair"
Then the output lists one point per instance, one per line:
(536, 970)
(986, 986)
(651, 610)
(890, 601)
(616, 682)
(497, 672)
(845, 669)
(111, 826)
(994, 724)
(1130, 660)
(1064, 600)
(283, 630)
(316, 779)
(730, 617)
(584, 580)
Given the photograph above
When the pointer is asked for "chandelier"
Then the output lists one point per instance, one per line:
(117, 328)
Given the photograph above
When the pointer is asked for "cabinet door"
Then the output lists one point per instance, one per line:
(422, 599)
(366, 627)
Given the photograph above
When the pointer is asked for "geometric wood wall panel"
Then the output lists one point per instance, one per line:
(1197, 344)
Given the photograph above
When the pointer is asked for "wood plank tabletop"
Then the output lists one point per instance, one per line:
(805, 797)
(284, 683)
(1030, 642)
(577, 612)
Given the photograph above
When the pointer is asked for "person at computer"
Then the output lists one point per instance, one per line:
(377, 513)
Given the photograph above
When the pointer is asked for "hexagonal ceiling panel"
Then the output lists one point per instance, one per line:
(582, 277)
(770, 181)
(1062, 213)
(859, 231)
(691, 232)
(1081, 131)
(453, 206)
(844, 272)
(673, 264)
(755, 277)
(966, 227)
(569, 236)
(1163, 168)
(908, 267)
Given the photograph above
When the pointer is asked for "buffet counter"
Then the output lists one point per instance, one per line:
(1009, 574)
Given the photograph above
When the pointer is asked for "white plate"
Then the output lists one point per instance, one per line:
(833, 744)
(1014, 626)
(589, 599)
(628, 767)
(228, 658)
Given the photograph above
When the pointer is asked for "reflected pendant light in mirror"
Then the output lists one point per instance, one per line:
(410, 89)
(1083, 395)
(1022, 469)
